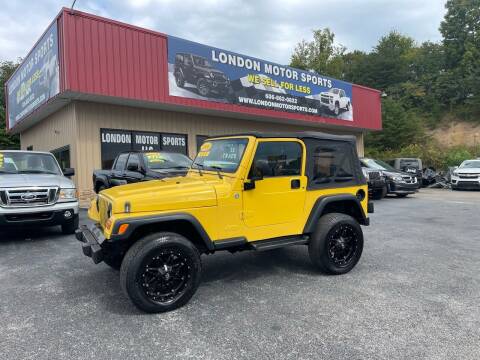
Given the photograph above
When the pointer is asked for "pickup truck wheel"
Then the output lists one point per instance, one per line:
(336, 244)
(336, 111)
(69, 227)
(161, 272)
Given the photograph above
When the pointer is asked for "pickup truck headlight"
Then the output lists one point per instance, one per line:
(67, 195)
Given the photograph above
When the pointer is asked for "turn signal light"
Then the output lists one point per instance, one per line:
(122, 229)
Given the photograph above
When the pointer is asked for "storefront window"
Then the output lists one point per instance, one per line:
(63, 156)
(114, 142)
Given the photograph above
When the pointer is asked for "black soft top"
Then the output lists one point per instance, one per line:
(296, 135)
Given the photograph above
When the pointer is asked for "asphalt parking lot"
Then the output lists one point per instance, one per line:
(414, 294)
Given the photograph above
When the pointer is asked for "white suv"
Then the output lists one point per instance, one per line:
(34, 191)
(467, 175)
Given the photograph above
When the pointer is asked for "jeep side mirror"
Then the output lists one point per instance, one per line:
(249, 185)
(68, 172)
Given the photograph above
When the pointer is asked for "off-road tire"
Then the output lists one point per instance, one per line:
(69, 227)
(202, 84)
(318, 247)
(139, 254)
(180, 80)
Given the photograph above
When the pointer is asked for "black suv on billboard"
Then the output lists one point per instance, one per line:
(197, 71)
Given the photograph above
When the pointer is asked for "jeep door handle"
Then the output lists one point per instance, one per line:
(295, 184)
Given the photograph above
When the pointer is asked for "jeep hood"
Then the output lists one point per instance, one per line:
(175, 193)
(36, 180)
(210, 70)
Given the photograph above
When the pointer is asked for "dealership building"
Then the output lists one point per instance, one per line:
(92, 87)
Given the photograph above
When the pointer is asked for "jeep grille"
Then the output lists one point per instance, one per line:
(28, 197)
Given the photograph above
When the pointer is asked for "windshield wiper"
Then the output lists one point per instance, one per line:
(179, 167)
(218, 168)
(200, 166)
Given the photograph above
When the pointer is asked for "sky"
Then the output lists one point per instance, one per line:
(266, 29)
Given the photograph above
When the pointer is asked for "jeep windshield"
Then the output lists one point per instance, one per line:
(378, 165)
(221, 155)
(162, 160)
(200, 61)
(28, 163)
(475, 164)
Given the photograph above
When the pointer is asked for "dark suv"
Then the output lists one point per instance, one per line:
(196, 70)
(399, 183)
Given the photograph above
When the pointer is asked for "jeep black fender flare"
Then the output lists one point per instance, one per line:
(137, 222)
(321, 205)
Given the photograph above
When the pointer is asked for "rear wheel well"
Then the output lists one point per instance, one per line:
(348, 207)
(181, 227)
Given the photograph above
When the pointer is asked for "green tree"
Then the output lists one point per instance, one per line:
(321, 54)
(6, 141)
(461, 40)
(400, 128)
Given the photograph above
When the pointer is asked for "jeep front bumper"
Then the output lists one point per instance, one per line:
(92, 239)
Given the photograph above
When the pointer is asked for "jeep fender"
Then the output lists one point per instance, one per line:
(324, 202)
(136, 223)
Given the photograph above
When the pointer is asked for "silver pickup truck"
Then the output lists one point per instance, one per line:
(34, 191)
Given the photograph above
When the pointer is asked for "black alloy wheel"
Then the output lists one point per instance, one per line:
(336, 245)
(165, 275)
(342, 244)
(161, 272)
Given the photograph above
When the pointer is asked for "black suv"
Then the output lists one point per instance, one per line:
(196, 70)
(398, 182)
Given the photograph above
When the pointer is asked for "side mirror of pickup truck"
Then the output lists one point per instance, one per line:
(68, 172)
(134, 168)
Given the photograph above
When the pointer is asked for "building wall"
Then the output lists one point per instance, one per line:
(53, 132)
(79, 123)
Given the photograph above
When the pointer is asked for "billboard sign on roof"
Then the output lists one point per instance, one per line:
(36, 80)
(202, 72)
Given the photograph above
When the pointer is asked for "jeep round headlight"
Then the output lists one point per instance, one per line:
(67, 195)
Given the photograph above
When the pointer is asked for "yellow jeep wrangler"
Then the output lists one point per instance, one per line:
(255, 191)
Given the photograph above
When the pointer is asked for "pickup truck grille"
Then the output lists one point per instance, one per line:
(28, 197)
(325, 99)
(468, 176)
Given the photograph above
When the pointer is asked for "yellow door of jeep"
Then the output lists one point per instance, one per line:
(275, 193)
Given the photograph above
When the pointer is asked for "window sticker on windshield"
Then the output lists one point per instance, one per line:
(206, 146)
(203, 153)
(155, 157)
(1, 160)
